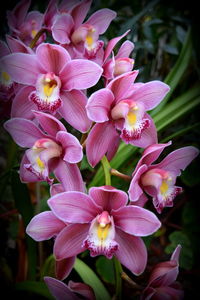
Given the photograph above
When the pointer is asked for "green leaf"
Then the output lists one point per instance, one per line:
(35, 287)
(48, 268)
(105, 268)
(186, 256)
(89, 277)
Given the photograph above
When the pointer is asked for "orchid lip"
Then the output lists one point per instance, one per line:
(47, 94)
(100, 240)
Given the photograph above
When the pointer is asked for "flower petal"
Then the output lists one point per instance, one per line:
(64, 267)
(125, 49)
(52, 57)
(49, 123)
(70, 176)
(59, 290)
(56, 189)
(16, 45)
(73, 110)
(23, 68)
(136, 220)
(99, 105)
(24, 132)
(99, 141)
(21, 106)
(44, 226)
(135, 191)
(62, 27)
(73, 207)
(132, 252)
(26, 175)
(69, 241)
(80, 74)
(108, 197)
(178, 160)
(82, 289)
(122, 85)
(101, 19)
(73, 151)
(150, 94)
(80, 11)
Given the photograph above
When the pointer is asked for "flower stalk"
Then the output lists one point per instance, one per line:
(106, 168)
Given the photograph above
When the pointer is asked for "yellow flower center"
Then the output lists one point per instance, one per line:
(49, 86)
(40, 163)
(102, 231)
(5, 76)
(164, 187)
(131, 118)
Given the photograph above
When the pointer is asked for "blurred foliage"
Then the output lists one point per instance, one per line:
(166, 38)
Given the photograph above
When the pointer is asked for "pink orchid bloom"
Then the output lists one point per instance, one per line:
(102, 223)
(57, 81)
(82, 38)
(122, 106)
(52, 148)
(24, 25)
(72, 291)
(120, 63)
(162, 284)
(158, 180)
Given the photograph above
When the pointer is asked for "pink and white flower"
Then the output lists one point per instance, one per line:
(102, 223)
(158, 180)
(162, 284)
(121, 107)
(51, 148)
(56, 80)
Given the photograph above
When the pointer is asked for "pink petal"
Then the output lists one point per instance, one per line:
(20, 12)
(99, 105)
(62, 27)
(4, 50)
(82, 289)
(108, 197)
(80, 74)
(150, 94)
(26, 175)
(150, 154)
(56, 189)
(59, 290)
(73, 110)
(21, 106)
(176, 253)
(178, 160)
(73, 207)
(163, 274)
(49, 123)
(168, 293)
(23, 68)
(69, 241)
(125, 49)
(64, 267)
(149, 135)
(70, 176)
(101, 19)
(132, 252)
(136, 220)
(52, 57)
(99, 141)
(44, 226)
(111, 44)
(16, 45)
(24, 132)
(80, 11)
(135, 191)
(114, 144)
(122, 85)
(73, 151)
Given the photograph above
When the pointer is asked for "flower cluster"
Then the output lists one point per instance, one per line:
(47, 86)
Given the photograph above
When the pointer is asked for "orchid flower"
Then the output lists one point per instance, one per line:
(122, 106)
(57, 81)
(69, 29)
(51, 148)
(24, 25)
(119, 63)
(162, 284)
(72, 291)
(158, 180)
(102, 223)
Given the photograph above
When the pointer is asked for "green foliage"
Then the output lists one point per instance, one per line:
(105, 268)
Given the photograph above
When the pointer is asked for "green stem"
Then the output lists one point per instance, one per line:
(118, 273)
(106, 168)
(36, 38)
